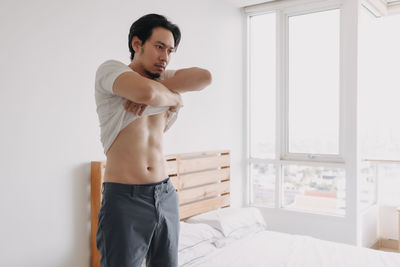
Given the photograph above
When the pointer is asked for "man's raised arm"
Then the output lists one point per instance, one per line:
(139, 89)
(190, 79)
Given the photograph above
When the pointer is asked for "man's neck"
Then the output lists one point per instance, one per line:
(139, 69)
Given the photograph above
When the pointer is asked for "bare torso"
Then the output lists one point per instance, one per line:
(136, 156)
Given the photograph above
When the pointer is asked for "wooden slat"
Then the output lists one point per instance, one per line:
(205, 177)
(202, 192)
(175, 181)
(398, 240)
(389, 243)
(197, 154)
(172, 167)
(197, 164)
(192, 209)
(96, 174)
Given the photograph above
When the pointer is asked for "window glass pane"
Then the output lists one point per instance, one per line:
(314, 83)
(262, 85)
(316, 189)
(378, 86)
(262, 184)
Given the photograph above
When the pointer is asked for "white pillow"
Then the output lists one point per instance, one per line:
(191, 235)
(195, 241)
(227, 220)
(190, 255)
(239, 234)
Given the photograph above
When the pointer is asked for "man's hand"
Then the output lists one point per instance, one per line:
(138, 109)
(135, 108)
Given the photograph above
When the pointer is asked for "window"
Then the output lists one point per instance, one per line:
(262, 66)
(318, 189)
(263, 184)
(263, 86)
(379, 145)
(295, 160)
(313, 61)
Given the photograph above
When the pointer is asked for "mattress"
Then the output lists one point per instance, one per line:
(269, 248)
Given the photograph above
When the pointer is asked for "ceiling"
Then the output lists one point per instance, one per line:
(243, 3)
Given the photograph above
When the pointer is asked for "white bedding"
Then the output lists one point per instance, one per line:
(276, 249)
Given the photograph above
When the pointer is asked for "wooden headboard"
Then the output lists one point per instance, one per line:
(202, 181)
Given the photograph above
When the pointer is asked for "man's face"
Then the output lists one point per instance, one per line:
(155, 54)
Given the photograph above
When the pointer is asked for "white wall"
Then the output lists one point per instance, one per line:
(316, 225)
(388, 227)
(369, 226)
(49, 53)
(379, 222)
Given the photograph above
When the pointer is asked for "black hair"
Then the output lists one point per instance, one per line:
(143, 28)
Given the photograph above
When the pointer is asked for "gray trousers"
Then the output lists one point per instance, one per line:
(138, 221)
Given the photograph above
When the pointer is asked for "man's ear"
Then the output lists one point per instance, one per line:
(136, 43)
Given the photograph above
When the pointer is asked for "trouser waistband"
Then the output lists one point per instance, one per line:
(128, 188)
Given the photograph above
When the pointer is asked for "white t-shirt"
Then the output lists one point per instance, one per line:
(112, 115)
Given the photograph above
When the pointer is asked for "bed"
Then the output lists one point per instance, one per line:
(214, 234)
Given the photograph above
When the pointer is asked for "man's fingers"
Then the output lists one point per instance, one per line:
(175, 108)
(142, 108)
(127, 104)
(132, 107)
(135, 108)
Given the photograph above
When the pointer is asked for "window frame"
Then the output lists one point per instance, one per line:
(283, 11)
(284, 42)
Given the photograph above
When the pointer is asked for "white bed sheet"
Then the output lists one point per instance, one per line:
(276, 249)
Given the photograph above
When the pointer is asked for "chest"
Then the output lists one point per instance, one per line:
(159, 118)
(149, 122)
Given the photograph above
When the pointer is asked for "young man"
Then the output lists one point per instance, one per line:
(136, 104)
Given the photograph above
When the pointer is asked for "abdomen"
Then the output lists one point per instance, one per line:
(136, 156)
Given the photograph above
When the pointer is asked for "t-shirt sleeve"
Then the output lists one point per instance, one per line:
(108, 72)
